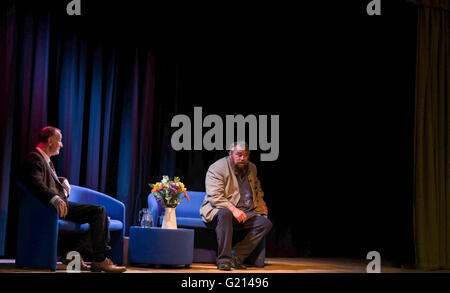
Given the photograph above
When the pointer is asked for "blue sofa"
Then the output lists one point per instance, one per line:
(205, 240)
(38, 226)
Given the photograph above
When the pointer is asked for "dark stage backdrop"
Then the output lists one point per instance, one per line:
(113, 78)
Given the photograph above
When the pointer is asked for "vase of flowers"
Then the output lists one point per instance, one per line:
(169, 193)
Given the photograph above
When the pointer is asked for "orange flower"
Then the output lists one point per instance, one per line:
(157, 187)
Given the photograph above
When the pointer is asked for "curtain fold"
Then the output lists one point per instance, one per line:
(8, 29)
(93, 170)
(127, 167)
(431, 134)
(71, 101)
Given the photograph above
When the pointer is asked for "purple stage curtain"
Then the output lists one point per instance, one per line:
(7, 66)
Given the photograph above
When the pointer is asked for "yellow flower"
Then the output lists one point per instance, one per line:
(181, 185)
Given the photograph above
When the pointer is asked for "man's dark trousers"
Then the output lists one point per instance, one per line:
(224, 223)
(98, 235)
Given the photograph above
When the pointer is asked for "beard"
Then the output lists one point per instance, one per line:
(239, 165)
(241, 168)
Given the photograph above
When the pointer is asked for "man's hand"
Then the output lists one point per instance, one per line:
(61, 207)
(238, 214)
(67, 186)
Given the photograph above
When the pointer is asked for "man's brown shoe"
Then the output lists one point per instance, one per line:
(106, 266)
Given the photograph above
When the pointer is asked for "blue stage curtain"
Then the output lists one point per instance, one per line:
(102, 97)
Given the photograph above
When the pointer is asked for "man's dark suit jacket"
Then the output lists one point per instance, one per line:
(40, 179)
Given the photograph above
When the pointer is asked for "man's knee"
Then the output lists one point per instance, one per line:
(224, 215)
(223, 219)
(268, 225)
(101, 211)
(265, 224)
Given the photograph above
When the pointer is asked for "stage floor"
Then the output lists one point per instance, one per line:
(273, 265)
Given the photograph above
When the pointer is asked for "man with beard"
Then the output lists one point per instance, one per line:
(234, 200)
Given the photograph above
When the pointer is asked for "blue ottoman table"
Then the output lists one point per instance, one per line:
(161, 246)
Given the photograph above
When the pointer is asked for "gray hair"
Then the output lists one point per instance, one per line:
(241, 144)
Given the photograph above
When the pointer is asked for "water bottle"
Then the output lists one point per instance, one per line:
(146, 218)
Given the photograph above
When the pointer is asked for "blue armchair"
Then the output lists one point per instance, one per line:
(205, 241)
(38, 226)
